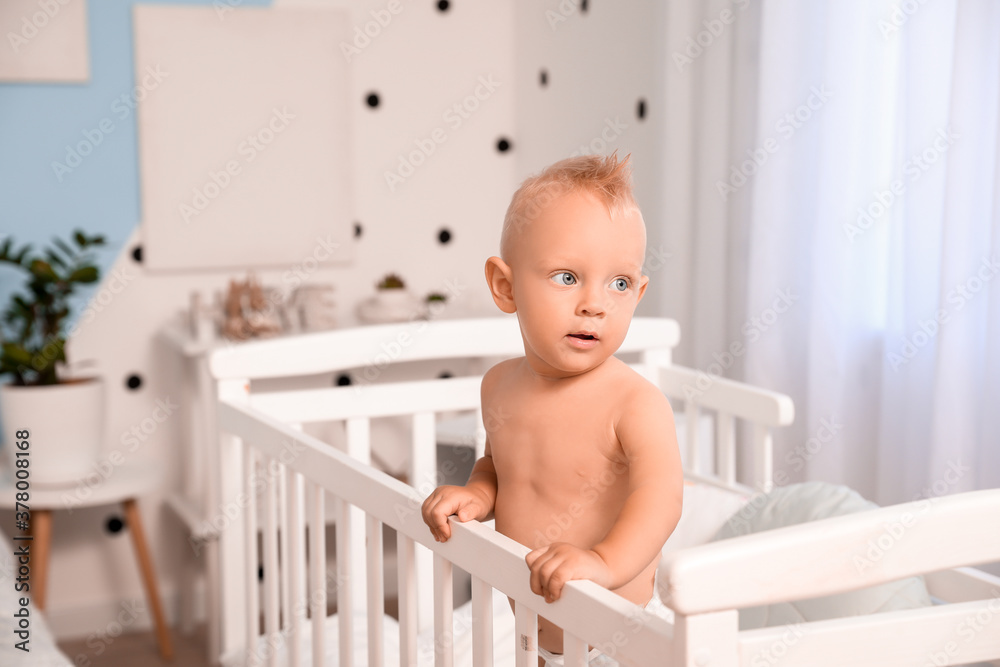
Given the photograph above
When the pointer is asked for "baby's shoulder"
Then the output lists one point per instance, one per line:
(634, 388)
(502, 372)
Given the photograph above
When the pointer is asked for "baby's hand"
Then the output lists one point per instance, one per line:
(554, 565)
(447, 500)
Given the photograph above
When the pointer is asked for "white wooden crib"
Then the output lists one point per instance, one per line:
(276, 479)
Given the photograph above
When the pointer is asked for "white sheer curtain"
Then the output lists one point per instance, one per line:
(858, 257)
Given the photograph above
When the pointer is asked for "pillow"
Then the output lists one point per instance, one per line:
(706, 508)
(811, 501)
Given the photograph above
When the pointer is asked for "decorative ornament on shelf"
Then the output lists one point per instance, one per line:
(247, 313)
(311, 308)
(59, 420)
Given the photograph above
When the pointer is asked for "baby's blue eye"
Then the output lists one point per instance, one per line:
(619, 284)
(564, 278)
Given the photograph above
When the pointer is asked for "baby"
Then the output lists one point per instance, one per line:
(585, 470)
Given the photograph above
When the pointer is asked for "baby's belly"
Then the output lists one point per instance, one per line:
(536, 514)
(536, 517)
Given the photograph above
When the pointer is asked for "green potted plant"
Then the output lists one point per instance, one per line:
(64, 417)
(392, 293)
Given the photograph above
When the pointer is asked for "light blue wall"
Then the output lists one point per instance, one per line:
(37, 124)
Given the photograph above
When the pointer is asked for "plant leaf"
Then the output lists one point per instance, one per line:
(17, 353)
(85, 274)
(43, 270)
(65, 248)
(55, 259)
(19, 258)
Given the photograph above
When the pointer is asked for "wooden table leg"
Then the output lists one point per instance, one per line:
(41, 531)
(134, 523)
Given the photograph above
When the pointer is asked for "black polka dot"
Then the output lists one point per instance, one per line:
(444, 236)
(543, 78)
(443, 5)
(260, 573)
(640, 108)
(114, 525)
(503, 145)
(343, 380)
(444, 375)
(357, 230)
(137, 253)
(133, 381)
(372, 100)
(583, 6)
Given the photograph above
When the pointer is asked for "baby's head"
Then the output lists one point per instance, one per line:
(605, 177)
(570, 263)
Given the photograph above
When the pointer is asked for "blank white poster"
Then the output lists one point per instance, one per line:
(243, 136)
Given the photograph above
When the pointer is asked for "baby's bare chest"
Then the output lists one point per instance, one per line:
(561, 435)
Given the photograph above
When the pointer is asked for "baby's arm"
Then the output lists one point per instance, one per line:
(650, 513)
(475, 500)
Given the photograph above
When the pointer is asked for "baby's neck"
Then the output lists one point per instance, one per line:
(546, 374)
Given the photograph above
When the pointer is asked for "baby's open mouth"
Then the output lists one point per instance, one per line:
(583, 336)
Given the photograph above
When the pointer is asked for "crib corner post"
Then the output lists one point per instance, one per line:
(226, 498)
(706, 640)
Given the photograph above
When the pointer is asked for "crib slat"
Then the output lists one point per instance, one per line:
(293, 526)
(358, 447)
(763, 458)
(574, 651)
(526, 636)
(250, 549)
(271, 575)
(407, 587)
(691, 413)
(480, 438)
(317, 572)
(282, 505)
(376, 595)
(444, 650)
(725, 447)
(482, 623)
(345, 602)
(424, 477)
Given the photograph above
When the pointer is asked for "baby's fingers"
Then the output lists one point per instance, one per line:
(532, 556)
(436, 513)
(537, 561)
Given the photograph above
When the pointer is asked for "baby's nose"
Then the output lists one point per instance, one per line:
(592, 302)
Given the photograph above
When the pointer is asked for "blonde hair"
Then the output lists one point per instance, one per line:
(603, 176)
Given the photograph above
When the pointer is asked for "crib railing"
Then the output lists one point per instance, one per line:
(763, 410)
(300, 470)
(821, 558)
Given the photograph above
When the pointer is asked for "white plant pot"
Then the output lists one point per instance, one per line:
(394, 299)
(65, 424)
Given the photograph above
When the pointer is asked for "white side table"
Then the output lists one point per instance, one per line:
(123, 486)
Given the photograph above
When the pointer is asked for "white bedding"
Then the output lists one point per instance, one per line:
(42, 646)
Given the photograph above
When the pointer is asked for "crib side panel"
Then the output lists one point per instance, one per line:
(594, 613)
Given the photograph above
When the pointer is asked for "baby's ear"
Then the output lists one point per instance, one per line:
(500, 279)
(643, 284)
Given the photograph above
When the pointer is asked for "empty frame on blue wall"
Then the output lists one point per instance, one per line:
(46, 42)
(244, 136)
